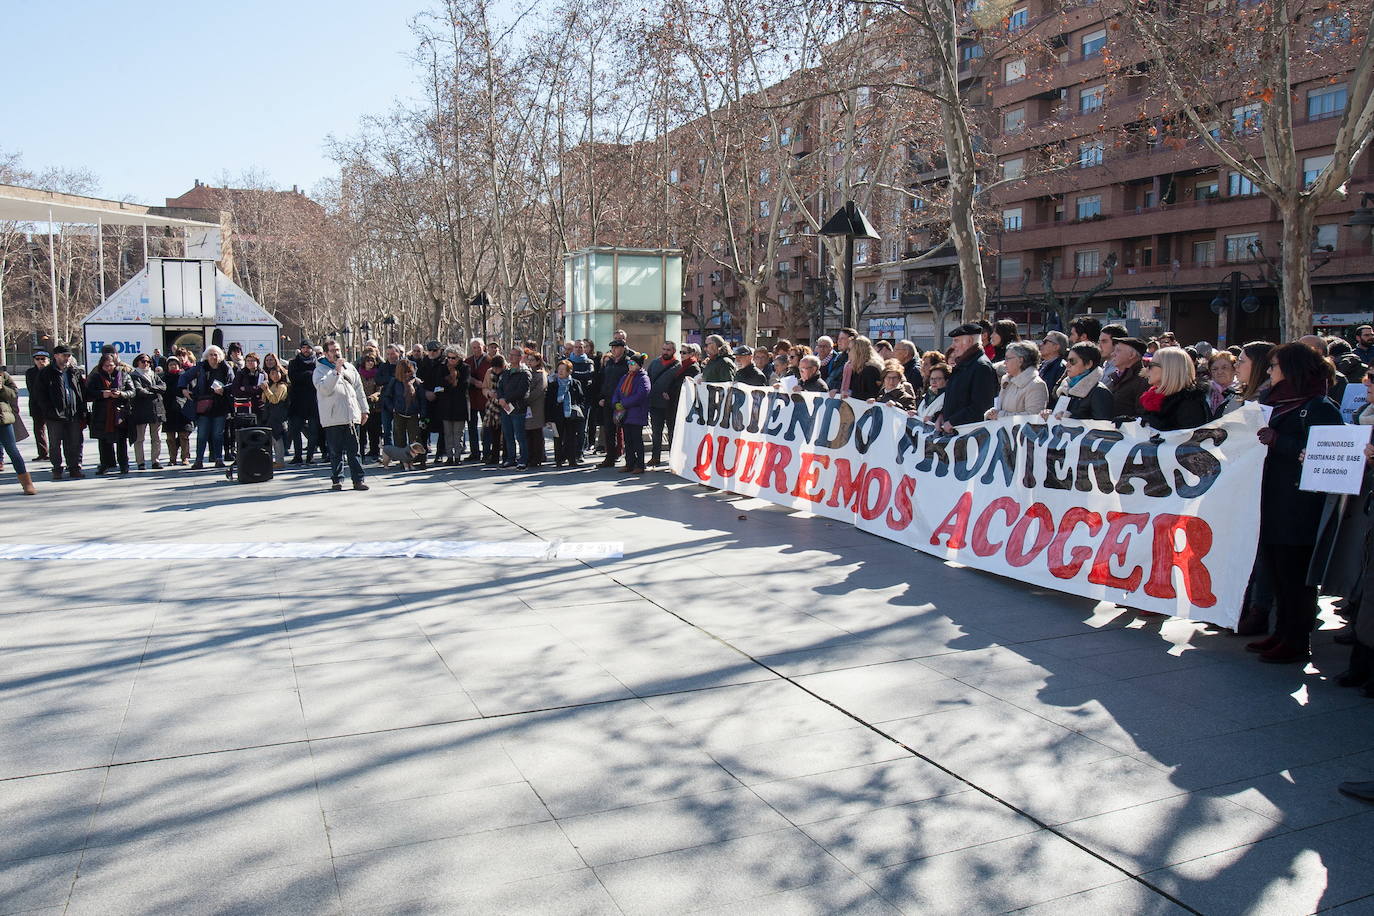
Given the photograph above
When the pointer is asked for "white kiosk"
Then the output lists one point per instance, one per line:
(178, 302)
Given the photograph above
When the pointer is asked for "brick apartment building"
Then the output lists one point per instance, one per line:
(1177, 224)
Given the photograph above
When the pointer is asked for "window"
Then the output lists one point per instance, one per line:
(1018, 19)
(1085, 263)
(1011, 219)
(1239, 186)
(1247, 119)
(785, 137)
(787, 205)
(1014, 167)
(1013, 121)
(1312, 167)
(1325, 237)
(918, 203)
(1238, 247)
(971, 52)
(765, 208)
(1205, 253)
(1093, 42)
(673, 177)
(765, 175)
(1014, 70)
(894, 291)
(1088, 206)
(1206, 190)
(1008, 268)
(865, 96)
(1325, 103)
(1091, 154)
(1330, 30)
(698, 279)
(784, 268)
(1092, 97)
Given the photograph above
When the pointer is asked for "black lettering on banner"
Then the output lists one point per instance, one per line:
(696, 412)
(937, 453)
(868, 428)
(963, 470)
(804, 411)
(1092, 459)
(715, 397)
(841, 437)
(1143, 463)
(1032, 434)
(776, 401)
(1054, 457)
(756, 395)
(1004, 455)
(734, 417)
(1199, 462)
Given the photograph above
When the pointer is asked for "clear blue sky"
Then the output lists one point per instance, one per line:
(150, 97)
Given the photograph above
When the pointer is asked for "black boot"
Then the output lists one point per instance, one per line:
(1254, 621)
(1361, 668)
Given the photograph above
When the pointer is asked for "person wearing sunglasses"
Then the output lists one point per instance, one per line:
(1081, 394)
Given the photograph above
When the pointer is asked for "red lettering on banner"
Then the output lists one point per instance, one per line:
(847, 484)
(901, 513)
(1076, 516)
(1113, 547)
(751, 452)
(704, 454)
(1197, 541)
(955, 525)
(776, 458)
(721, 469)
(981, 545)
(809, 474)
(872, 508)
(1017, 552)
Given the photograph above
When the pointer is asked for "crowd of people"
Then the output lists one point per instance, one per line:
(433, 404)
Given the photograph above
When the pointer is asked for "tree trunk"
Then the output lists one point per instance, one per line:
(751, 313)
(1295, 303)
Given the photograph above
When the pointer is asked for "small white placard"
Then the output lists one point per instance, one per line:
(1354, 398)
(1061, 407)
(788, 383)
(1334, 462)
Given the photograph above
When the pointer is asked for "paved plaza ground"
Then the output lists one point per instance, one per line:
(749, 712)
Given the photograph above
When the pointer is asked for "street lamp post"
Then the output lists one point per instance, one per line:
(347, 333)
(483, 301)
(1224, 307)
(1362, 220)
(390, 322)
(849, 221)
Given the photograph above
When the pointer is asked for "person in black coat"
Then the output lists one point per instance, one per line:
(1289, 516)
(61, 393)
(748, 374)
(148, 412)
(1081, 394)
(565, 406)
(1175, 399)
(613, 370)
(109, 390)
(41, 359)
(305, 408)
(447, 394)
(973, 383)
(176, 426)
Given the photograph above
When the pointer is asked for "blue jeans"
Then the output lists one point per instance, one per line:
(209, 431)
(513, 430)
(386, 426)
(11, 447)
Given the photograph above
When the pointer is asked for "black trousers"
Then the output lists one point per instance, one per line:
(475, 434)
(610, 434)
(567, 445)
(660, 430)
(114, 451)
(634, 445)
(311, 427)
(40, 436)
(343, 444)
(1296, 601)
(64, 438)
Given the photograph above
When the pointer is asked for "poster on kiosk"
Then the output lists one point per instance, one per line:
(177, 302)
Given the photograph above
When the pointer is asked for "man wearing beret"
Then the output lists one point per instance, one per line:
(41, 358)
(973, 383)
(1129, 382)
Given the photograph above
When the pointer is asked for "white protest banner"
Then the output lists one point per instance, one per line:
(1354, 398)
(1164, 522)
(1334, 462)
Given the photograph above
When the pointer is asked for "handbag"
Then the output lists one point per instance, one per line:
(21, 432)
(204, 405)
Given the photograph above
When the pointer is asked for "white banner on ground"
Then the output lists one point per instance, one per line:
(315, 550)
(1164, 522)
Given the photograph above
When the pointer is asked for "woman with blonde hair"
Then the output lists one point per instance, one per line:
(1176, 399)
(862, 377)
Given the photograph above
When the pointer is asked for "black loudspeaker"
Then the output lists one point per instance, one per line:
(255, 454)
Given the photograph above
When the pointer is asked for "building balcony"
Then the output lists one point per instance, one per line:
(1190, 216)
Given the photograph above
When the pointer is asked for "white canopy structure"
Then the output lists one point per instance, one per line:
(32, 205)
(178, 302)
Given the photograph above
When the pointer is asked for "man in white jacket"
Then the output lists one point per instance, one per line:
(343, 409)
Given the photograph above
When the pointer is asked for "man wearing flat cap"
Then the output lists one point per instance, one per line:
(973, 384)
(41, 359)
(1129, 382)
(749, 374)
(612, 374)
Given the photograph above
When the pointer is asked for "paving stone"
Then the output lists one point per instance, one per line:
(432, 817)
(856, 790)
